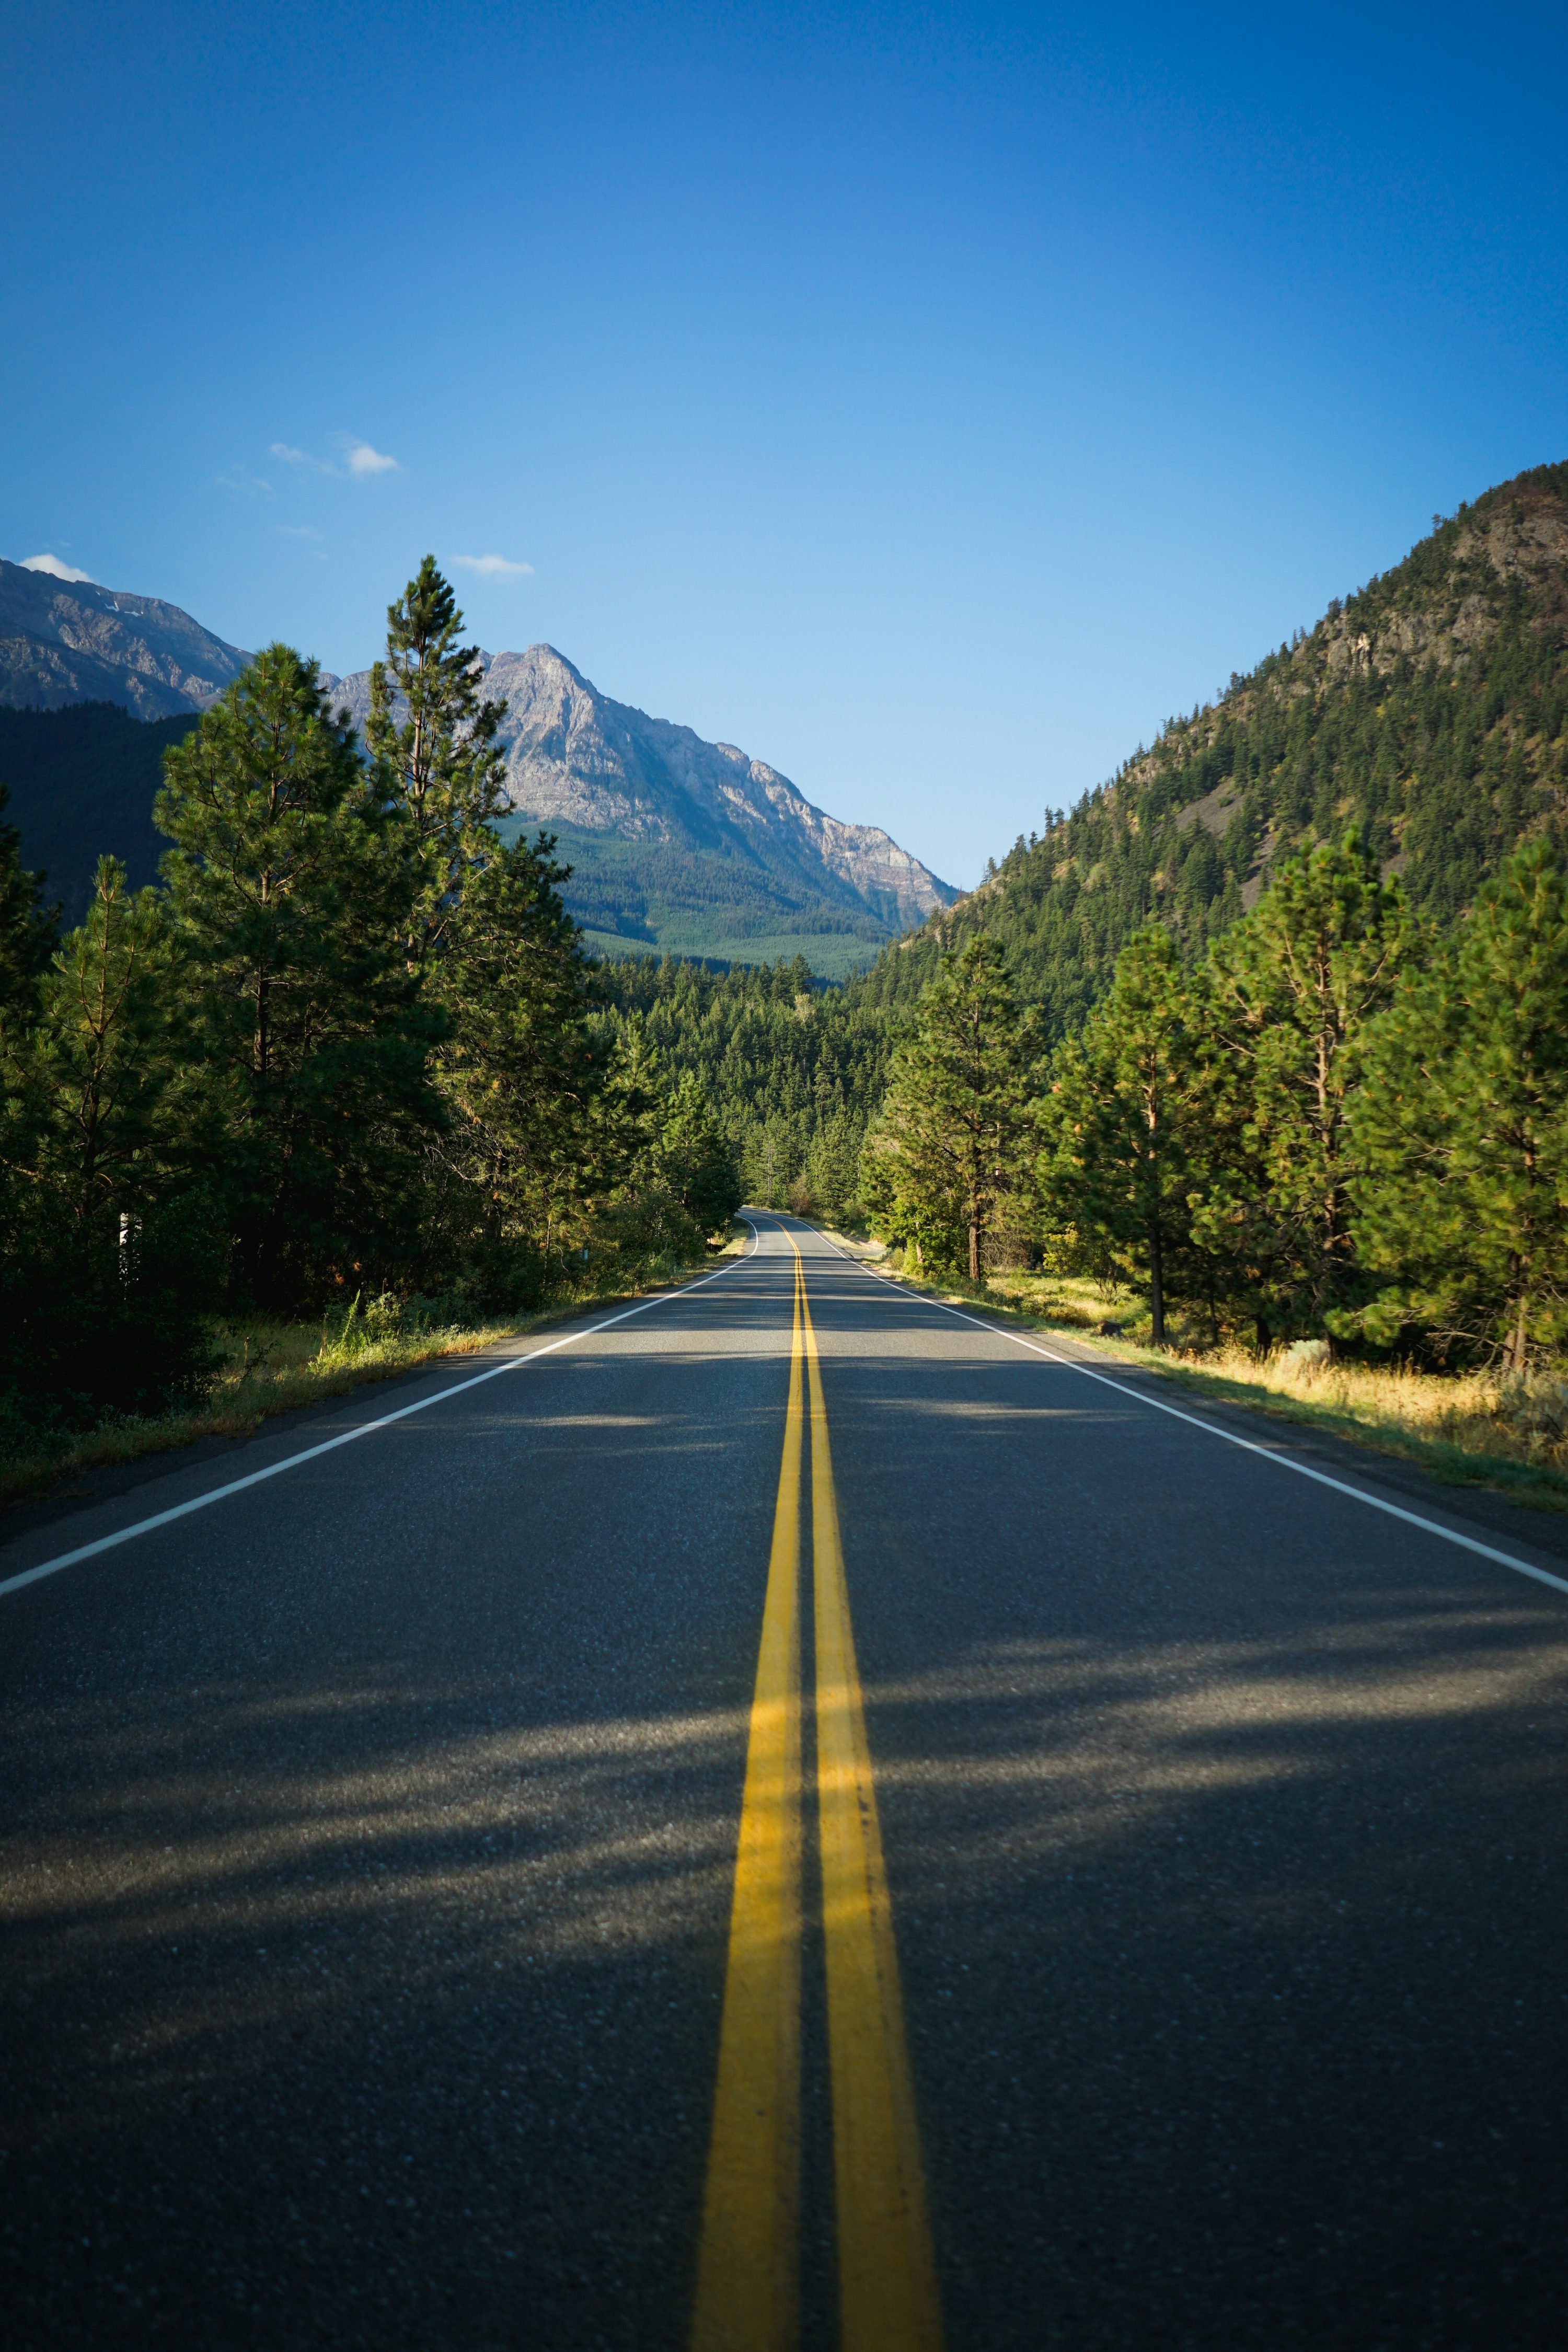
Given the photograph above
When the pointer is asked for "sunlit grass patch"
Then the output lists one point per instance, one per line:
(1477, 1428)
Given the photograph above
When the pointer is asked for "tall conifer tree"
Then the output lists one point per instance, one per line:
(432, 732)
(1124, 1121)
(1462, 1129)
(1289, 992)
(952, 1143)
(292, 886)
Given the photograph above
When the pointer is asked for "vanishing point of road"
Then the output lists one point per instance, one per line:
(786, 1816)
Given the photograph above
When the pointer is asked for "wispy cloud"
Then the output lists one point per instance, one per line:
(360, 458)
(302, 457)
(295, 530)
(491, 567)
(54, 567)
(241, 479)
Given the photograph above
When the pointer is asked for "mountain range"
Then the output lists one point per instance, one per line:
(67, 641)
(675, 844)
(682, 844)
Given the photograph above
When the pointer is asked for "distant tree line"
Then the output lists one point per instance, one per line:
(1339, 1121)
(793, 1070)
(349, 1045)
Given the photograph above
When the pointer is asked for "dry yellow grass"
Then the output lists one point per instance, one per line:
(1504, 1420)
(1473, 1428)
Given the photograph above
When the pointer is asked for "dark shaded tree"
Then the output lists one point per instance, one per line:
(292, 884)
(1461, 1130)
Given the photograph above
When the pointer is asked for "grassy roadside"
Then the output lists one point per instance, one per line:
(269, 1368)
(1467, 1429)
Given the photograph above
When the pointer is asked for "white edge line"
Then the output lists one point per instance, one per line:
(1247, 1445)
(347, 1436)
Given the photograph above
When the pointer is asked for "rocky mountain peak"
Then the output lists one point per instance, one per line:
(67, 641)
(576, 757)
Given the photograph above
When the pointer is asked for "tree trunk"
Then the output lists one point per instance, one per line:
(974, 1253)
(1517, 1355)
(1156, 1284)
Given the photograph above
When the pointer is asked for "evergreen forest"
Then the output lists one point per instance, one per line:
(1273, 1026)
(347, 1051)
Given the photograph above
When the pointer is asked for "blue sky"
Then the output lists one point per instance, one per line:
(928, 399)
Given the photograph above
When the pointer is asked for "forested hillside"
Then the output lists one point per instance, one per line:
(81, 784)
(1430, 708)
(792, 1070)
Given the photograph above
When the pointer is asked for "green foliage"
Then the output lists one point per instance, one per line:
(292, 886)
(27, 930)
(1430, 710)
(697, 1160)
(107, 1255)
(1286, 997)
(92, 1083)
(1462, 1129)
(432, 735)
(82, 782)
(953, 1140)
(521, 1072)
(1125, 1127)
(792, 1070)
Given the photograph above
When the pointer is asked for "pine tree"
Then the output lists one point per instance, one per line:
(952, 1139)
(1289, 992)
(1124, 1122)
(1462, 1129)
(433, 735)
(93, 1087)
(291, 886)
(110, 1266)
(27, 932)
(697, 1160)
(521, 1070)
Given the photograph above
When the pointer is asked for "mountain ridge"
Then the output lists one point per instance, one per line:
(1429, 707)
(70, 641)
(676, 844)
(596, 772)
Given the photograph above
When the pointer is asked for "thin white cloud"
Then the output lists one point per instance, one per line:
(492, 567)
(54, 567)
(297, 456)
(241, 479)
(295, 530)
(360, 458)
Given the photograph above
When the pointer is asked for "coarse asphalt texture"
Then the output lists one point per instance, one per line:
(370, 1836)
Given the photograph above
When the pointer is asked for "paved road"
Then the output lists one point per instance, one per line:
(1151, 1861)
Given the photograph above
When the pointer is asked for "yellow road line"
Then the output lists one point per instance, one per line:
(748, 2278)
(748, 2281)
(886, 2273)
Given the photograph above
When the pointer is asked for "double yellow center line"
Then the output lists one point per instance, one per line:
(747, 2283)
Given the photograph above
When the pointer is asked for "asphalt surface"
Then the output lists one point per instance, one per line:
(369, 1838)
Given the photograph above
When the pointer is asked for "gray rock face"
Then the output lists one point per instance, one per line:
(576, 758)
(64, 641)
